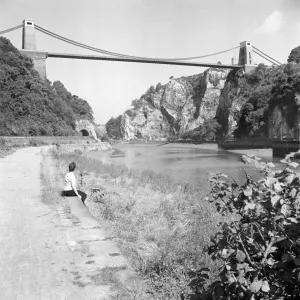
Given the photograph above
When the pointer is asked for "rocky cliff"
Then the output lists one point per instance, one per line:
(169, 110)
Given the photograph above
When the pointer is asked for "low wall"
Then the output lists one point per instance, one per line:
(282, 148)
(21, 141)
(82, 148)
(246, 144)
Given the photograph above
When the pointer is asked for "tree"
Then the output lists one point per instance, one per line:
(294, 55)
(30, 105)
(113, 127)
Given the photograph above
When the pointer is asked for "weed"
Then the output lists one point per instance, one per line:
(161, 226)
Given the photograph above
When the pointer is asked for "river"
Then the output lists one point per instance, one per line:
(183, 162)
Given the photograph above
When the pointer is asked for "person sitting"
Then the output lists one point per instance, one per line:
(70, 184)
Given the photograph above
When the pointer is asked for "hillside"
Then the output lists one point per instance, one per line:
(218, 104)
(31, 106)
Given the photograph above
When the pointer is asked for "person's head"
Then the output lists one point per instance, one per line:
(72, 166)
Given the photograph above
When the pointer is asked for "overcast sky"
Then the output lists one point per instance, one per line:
(149, 28)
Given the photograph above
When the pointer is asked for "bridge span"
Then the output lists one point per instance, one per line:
(136, 60)
(245, 58)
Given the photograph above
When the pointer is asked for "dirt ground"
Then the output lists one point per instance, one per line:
(41, 254)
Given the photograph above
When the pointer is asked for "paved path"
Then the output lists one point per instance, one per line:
(42, 255)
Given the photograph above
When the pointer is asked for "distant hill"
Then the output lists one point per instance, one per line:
(31, 106)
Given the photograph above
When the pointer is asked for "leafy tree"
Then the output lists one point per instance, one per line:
(113, 127)
(152, 89)
(158, 87)
(258, 243)
(30, 105)
(294, 55)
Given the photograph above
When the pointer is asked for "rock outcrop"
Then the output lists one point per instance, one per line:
(86, 128)
(181, 105)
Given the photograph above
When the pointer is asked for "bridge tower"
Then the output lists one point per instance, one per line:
(29, 48)
(28, 37)
(246, 56)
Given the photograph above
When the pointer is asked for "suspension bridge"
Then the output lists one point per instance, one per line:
(248, 55)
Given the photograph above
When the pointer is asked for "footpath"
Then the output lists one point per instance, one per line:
(56, 252)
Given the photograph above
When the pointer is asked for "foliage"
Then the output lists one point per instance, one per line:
(113, 127)
(254, 114)
(208, 131)
(253, 92)
(31, 106)
(295, 55)
(259, 248)
(285, 93)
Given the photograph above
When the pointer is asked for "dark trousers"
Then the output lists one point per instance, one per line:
(71, 193)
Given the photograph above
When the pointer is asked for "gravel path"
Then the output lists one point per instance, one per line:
(36, 262)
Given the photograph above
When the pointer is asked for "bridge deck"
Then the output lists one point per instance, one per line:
(149, 61)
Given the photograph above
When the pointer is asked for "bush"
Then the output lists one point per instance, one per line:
(259, 247)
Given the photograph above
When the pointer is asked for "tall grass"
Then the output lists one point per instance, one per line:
(161, 226)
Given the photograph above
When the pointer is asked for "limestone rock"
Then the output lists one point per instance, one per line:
(180, 105)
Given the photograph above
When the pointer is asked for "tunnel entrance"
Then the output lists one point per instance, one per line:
(84, 132)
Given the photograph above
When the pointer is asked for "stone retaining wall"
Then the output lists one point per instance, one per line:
(82, 148)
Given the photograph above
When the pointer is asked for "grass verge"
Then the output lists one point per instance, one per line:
(161, 226)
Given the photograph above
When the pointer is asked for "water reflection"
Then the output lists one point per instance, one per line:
(183, 162)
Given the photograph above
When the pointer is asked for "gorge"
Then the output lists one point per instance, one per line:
(218, 103)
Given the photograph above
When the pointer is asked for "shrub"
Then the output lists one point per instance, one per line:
(259, 247)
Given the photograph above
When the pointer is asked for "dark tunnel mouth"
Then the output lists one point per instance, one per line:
(84, 132)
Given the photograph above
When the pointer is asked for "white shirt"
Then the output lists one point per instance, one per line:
(69, 181)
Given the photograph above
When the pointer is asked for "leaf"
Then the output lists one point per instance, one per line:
(293, 193)
(270, 165)
(286, 257)
(297, 261)
(289, 179)
(241, 266)
(240, 255)
(274, 200)
(272, 249)
(255, 286)
(247, 191)
(265, 286)
(277, 187)
(250, 205)
(293, 220)
(293, 164)
(222, 175)
(270, 181)
(284, 209)
(271, 261)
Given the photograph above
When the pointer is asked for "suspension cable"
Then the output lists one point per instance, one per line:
(11, 29)
(45, 31)
(275, 63)
(266, 55)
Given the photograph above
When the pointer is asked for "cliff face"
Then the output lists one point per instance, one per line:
(172, 109)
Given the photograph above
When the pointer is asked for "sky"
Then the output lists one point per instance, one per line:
(147, 28)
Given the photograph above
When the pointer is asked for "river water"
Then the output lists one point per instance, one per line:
(183, 162)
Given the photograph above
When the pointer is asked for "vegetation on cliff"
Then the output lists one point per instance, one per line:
(251, 94)
(31, 106)
(253, 97)
(113, 128)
